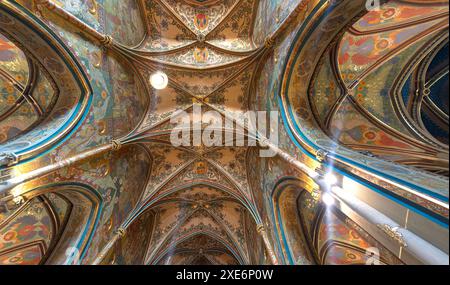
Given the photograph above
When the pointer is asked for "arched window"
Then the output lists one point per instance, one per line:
(423, 101)
(43, 92)
(435, 108)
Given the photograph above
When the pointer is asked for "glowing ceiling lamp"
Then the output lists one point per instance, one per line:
(159, 80)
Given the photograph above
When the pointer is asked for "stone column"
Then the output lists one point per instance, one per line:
(40, 172)
(262, 231)
(120, 233)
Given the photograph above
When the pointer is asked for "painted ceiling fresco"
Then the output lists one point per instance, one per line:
(365, 105)
(314, 58)
(29, 233)
(206, 49)
(107, 186)
(27, 93)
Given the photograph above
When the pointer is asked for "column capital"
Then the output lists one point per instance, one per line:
(107, 41)
(269, 42)
(7, 158)
(260, 228)
(116, 145)
(121, 232)
(322, 155)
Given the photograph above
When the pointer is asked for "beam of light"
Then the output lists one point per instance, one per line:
(183, 211)
(328, 199)
(331, 179)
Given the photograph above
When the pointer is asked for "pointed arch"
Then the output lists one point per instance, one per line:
(59, 229)
(65, 79)
(306, 108)
(189, 236)
(291, 229)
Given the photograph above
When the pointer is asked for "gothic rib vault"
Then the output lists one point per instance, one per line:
(200, 199)
(203, 206)
(198, 204)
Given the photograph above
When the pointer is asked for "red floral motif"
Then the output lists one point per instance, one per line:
(370, 135)
(5, 45)
(9, 236)
(389, 13)
(355, 235)
(15, 260)
(27, 230)
(382, 44)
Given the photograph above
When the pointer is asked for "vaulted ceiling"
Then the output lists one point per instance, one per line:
(381, 56)
(207, 51)
(198, 199)
(201, 196)
(198, 204)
